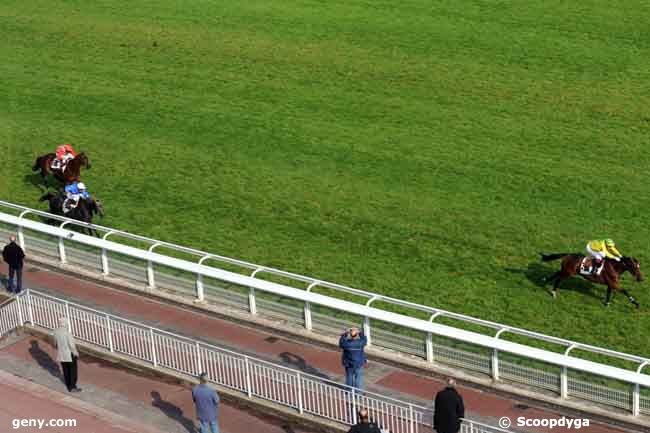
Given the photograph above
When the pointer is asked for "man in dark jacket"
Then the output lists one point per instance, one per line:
(14, 255)
(354, 357)
(449, 409)
(364, 425)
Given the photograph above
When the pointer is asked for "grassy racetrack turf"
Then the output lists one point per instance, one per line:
(426, 150)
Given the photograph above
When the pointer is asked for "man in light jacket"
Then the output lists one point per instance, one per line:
(67, 354)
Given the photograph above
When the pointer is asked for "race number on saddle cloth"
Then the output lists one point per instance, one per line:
(599, 250)
(74, 192)
(64, 153)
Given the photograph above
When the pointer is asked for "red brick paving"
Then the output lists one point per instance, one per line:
(327, 361)
(151, 391)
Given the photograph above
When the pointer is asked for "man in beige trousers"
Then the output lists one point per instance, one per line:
(67, 355)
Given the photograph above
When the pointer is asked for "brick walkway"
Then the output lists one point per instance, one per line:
(32, 387)
(380, 377)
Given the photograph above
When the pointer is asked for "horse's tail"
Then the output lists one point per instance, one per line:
(549, 257)
(37, 164)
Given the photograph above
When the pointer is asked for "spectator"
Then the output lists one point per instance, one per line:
(449, 409)
(206, 401)
(354, 357)
(67, 355)
(14, 255)
(364, 425)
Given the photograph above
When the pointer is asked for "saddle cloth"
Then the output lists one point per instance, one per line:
(61, 165)
(586, 266)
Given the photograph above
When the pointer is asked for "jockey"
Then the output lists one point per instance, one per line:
(64, 153)
(600, 249)
(73, 193)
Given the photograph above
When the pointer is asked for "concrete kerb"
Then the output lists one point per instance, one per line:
(238, 399)
(519, 392)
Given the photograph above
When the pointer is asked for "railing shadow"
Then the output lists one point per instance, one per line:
(44, 360)
(172, 411)
(298, 363)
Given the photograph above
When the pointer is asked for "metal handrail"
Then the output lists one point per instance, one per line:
(266, 285)
(326, 284)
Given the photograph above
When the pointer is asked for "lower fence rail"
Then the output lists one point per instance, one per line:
(301, 391)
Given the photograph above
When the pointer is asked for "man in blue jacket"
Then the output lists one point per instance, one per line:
(354, 357)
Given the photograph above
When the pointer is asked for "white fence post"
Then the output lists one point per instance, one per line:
(411, 419)
(249, 388)
(200, 294)
(67, 316)
(366, 330)
(564, 375)
(62, 257)
(252, 306)
(20, 313)
(21, 237)
(153, 348)
(308, 325)
(105, 269)
(636, 398)
(354, 406)
(151, 281)
(110, 333)
(429, 346)
(199, 367)
(299, 391)
(30, 310)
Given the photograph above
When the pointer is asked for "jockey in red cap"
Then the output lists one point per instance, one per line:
(64, 153)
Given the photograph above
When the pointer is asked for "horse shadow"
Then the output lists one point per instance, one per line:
(538, 274)
(42, 183)
(297, 362)
(44, 360)
(172, 411)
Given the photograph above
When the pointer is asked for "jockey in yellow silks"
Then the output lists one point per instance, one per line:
(600, 249)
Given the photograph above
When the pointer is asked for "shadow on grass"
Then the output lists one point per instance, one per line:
(538, 273)
(44, 184)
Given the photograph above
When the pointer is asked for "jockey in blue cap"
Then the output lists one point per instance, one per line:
(74, 192)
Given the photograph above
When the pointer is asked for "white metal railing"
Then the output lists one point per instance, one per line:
(254, 377)
(304, 392)
(564, 374)
(9, 316)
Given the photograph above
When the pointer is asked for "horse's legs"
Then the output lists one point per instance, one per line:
(631, 298)
(558, 278)
(609, 296)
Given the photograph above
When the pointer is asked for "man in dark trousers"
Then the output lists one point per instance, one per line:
(14, 256)
(449, 409)
(364, 425)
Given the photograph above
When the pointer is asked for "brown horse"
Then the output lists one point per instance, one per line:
(609, 276)
(72, 171)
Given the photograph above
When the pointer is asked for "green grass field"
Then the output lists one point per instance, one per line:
(425, 150)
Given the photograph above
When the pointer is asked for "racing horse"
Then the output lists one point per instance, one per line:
(72, 172)
(609, 276)
(83, 212)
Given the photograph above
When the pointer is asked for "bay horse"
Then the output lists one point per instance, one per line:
(610, 275)
(83, 212)
(72, 171)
